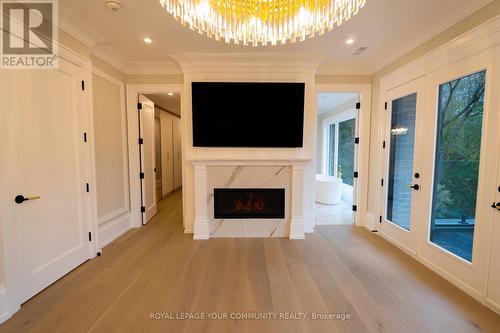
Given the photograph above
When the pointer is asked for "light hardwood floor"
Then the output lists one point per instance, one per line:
(340, 269)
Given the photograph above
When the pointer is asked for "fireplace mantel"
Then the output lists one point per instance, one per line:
(248, 162)
(201, 167)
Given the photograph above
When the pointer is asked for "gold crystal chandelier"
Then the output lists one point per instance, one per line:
(262, 22)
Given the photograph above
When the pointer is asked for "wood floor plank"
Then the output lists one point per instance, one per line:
(158, 269)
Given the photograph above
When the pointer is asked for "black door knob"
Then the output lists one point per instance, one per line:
(416, 187)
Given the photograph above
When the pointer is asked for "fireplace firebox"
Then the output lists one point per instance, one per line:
(249, 203)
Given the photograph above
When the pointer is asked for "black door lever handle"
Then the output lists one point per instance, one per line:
(21, 198)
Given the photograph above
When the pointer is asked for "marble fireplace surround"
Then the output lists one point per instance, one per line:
(287, 174)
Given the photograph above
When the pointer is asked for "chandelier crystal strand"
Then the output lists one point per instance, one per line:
(262, 22)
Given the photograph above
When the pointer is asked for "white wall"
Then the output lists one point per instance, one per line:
(113, 208)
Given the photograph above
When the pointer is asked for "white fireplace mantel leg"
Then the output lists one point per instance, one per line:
(297, 222)
(201, 229)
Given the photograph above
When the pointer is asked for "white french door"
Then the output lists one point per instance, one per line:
(441, 157)
(459, 164)
(401, 182)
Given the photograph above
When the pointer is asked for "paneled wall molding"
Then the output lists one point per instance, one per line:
(113, 224)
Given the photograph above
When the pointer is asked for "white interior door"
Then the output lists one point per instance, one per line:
(177, 124)
(401, 183)
(43, 119)
(148, 163)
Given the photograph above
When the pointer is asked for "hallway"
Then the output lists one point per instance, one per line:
(340, 269)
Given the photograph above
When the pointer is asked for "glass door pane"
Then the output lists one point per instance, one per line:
(331, 152)
(458, 146)
(346, 150)
(401, 155)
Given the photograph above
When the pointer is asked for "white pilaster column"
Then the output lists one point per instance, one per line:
(201, 230)
(297, 221)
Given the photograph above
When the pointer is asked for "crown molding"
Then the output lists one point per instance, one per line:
(98, 45)
(72, 24)
(165, 67)
(248, 62)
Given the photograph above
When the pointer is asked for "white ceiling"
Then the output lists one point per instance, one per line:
(328, 101)
(389, 28)
(170, 103)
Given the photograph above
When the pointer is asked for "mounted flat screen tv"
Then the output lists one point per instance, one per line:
(248, 114)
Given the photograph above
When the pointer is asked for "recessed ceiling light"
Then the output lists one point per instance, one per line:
(170, 94)
(148, 40)
(349, 41)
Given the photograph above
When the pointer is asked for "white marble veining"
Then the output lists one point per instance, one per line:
(249, 177)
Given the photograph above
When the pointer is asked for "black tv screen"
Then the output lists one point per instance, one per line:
(248, 114)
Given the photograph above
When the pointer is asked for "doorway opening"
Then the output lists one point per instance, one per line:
(160, 154)
(336, 158)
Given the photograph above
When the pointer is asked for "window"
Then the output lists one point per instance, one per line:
(458, 147)
(340, 147)
(346, 150)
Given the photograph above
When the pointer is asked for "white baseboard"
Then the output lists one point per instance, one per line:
(492, 305)
(4, 311)
(112, 229)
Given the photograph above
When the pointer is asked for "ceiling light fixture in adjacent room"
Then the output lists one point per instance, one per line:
(148, 40)
(349, 41)
(262, 22)
(170, 94)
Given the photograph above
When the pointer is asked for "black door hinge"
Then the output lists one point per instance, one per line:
(354, 208)
(380, 219)
(141, 141)
(356, 174)
(383, 145)
(85, 137)
(141, 175)
(90, 236)
(385, 106)
(88, 187)
(358, 106)
(143, 209)
(356, 141)
(139, 106)
(382, 182)
(83, 85)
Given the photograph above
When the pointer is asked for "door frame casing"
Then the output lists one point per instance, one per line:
(12, 271)
(364, 124)
(132, 93)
